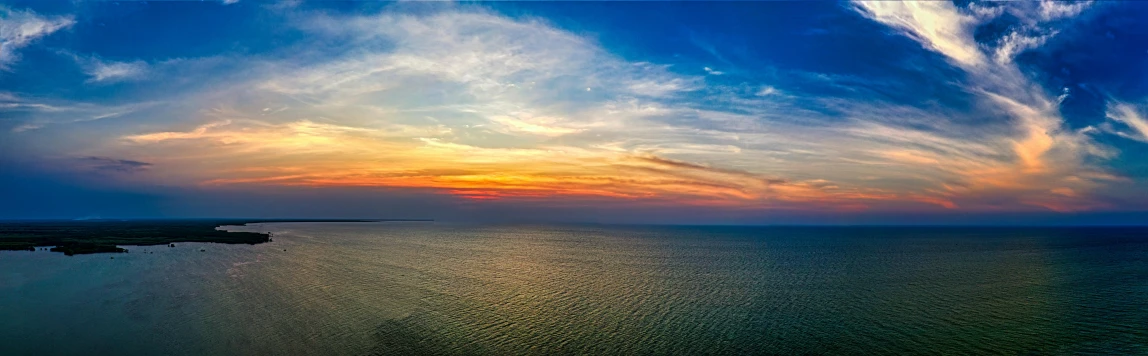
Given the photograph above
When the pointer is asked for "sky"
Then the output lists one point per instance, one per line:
(634, 112)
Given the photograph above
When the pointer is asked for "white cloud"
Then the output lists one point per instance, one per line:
(1128, 115)
(1054, 10)
(1043, 151)
(521, 76)
(20, 28)
(229, 2)
(39, 114)
(711, 71)
(110, 71)
(521, 102)
(939, 25)
(1015, 43)
(26, 127)
(767, 91)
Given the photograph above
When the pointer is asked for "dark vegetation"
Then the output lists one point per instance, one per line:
(96, 236)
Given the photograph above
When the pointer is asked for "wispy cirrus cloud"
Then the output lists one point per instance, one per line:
(1054, 10)
(511, 81)
(1128, 115)
(1045, 154)
(111, 71)
(19, 28)
(29, 114)
(487, 107)
(104, 71)
(561, 101)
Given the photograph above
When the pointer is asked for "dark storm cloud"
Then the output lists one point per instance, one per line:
(116, 165)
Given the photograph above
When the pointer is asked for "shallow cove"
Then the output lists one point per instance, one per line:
(421, 288)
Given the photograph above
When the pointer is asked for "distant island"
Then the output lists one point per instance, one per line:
(73, 237)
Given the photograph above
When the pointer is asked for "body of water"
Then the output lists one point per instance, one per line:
(421, 288)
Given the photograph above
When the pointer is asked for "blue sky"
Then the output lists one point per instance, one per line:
(730, 112)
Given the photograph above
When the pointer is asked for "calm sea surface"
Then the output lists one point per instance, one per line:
(420, 288)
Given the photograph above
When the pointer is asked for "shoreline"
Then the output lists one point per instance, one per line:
(74, 237)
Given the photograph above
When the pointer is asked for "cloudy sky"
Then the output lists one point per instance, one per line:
(732, 112)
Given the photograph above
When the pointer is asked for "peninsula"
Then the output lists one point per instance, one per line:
(73, 237)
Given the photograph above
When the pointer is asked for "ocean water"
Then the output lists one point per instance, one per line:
(421, 288)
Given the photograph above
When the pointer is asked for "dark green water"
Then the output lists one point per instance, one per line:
(395, 289)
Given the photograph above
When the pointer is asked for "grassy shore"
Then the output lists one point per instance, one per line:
(99, 236)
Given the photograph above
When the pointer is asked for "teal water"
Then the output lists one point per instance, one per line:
(414, 288)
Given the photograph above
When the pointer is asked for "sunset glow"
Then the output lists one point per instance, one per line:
(945, 110)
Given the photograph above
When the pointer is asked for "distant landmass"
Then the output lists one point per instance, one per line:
(73, 237)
